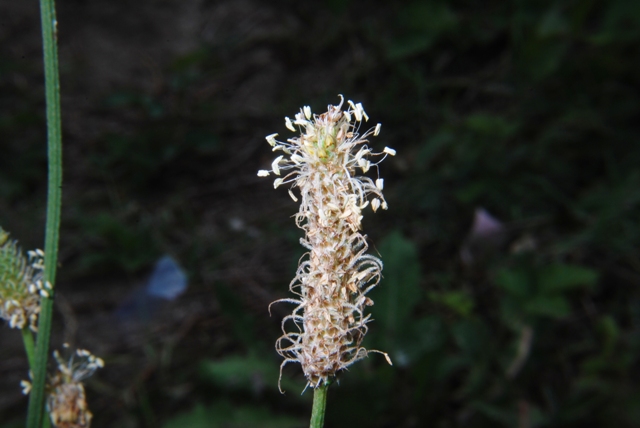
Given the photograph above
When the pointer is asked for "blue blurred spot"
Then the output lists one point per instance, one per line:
(168, 280)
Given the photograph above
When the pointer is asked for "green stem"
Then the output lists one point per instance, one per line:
(27, 338)
(319, 406)
(54, 140)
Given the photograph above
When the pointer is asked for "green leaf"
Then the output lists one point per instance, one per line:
(399, 292)
(447, 366)
(472, 336)
(433, 147)
(420, 337)
(420, 24)
(225, 415)
(540, 58)
(247, 373)
(553, 24)
(511, 311)
(490, 125)
(458, 301)
(504, 417)
(548, 306)
(610, 333)
(473, 191)
(561, 277)
(516, 282)
(240, 372)
(241, 321)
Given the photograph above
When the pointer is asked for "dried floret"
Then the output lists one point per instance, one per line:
(66, 400)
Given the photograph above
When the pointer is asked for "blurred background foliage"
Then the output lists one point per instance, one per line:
(511, 247)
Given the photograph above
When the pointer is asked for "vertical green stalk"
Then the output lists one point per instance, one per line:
(319, 406)
(54, 140)
(29, 346)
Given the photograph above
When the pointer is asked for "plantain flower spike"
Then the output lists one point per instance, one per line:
(66, 400)
(21, 284)
(333, 279)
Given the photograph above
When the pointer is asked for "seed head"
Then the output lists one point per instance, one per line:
(333, 279)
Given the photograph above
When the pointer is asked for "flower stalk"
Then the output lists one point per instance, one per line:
(335, 276)
(54, 144)
(319, 406)
(29, 346)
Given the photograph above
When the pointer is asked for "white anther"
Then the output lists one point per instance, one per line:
(348, 116)
(375, 204)
(363, 152)
(389, 151)
(26, 387)
(307, 112)
(377, 130)
(362, 112)
(274, 165)
(300, 120)
(288, 124)
(358, 114)
(263, 173)
(271, 139)
(277, 182)
(364, 164)
(380, 183)
(44, 294)
(293, 196)
(386, 356)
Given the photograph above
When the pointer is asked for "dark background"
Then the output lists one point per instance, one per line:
(527, 110)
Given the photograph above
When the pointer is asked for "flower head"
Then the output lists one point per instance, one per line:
(66, 401)
(332, 281)
(21, 284)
